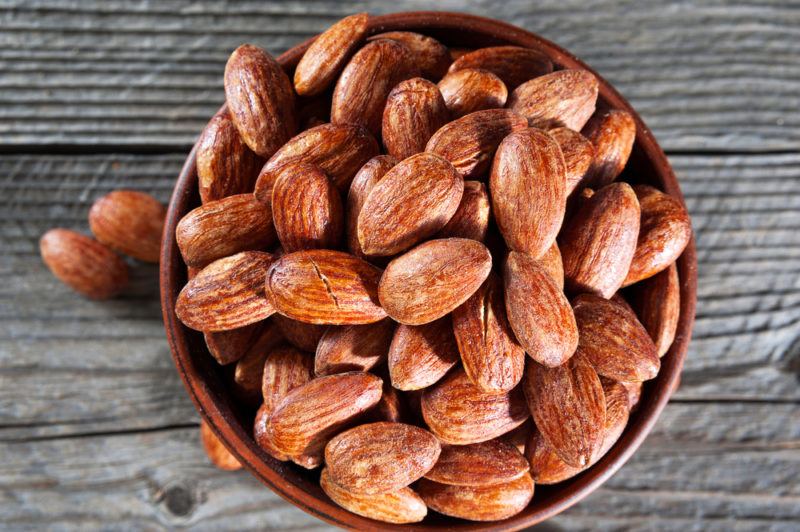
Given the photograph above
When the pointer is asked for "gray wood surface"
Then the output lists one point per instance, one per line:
(96, 431)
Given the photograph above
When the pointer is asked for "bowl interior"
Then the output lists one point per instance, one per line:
(208, 385)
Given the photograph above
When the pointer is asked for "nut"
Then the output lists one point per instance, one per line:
(414, 111)
(421, 355)
(612, 134)
(429, 55)
(478, 503)
(658, 305)
(514, 65)
(130, 222)
(578, 154)
(229, 346)
(469, 90)
(480, 464)
(364, 181)
(353, 348)
(471, 219)
(303, 336)
(216, 451)
(565, 98)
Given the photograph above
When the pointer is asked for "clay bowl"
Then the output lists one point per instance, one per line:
(207, 382)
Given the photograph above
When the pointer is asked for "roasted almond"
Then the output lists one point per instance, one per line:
(480, 464)
(528, 191)
(260, 99)
(469, 142)
(229, 346)
(306, 208)
(83, 263)
(658, 305)
(430, 56)
(538, 311)
(545, 465)
(223, 227)
(512, 64)
(325, 287)
(130, 222)
(519, 436)
(353, 348)
(634, 394)
(492, 358)
(459, 413)
(227, 294)
(617, 414)
(391, 407)
(421, 355)
(478, 503)
(248, 375)
(471, 219)
(468, 90)
(578, 154)
(303, 336)
(327, 55)
(364, 181)
(216, 451)
(414, 111)
(432, 279)
(411, 202)
(284, 369)
(551, 261)
(262, 437)
(597, 244)
(612, 133)
(664, 233)
(564, 98)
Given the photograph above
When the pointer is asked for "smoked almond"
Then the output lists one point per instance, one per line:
(421, 355)
(512, 64)
(414, 111)
(564, 98)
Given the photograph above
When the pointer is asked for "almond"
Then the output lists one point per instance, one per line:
(306, 208)
(227, 294)
(248, 375)
(538, 311)
(613, 340)
(469, 142)
(617, 413)
(411, 202)
(223, 227)
(353, 348)
(303, 336)
(83, 264)
(398, 507)
(469, 90)
(338, 150)
(512, 64)
(578, 154)
(364, 181)
(229, 346)
(546, 466)
(129, 222)
(216, 451)
(421, 355)
(612, 133)
(480, 464)
(551, 261)
(327, 55)
(565, 98)
(414, 111)
(528, 195)
(478, 503)
(284, 369)
(597, 244)
(471, 219)
(664, 233)
(309, 415)
(658, 305)
(459, 413)
(432, 279)
(260, 99)
(380, 457)
(429, 55)
(568, 406)
(263, 438)
(361, 91)
(634, 394)
(492, 358)
(325, 287)
(519, 436)
(391, 407)
(225, 165)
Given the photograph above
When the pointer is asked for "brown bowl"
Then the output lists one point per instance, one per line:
(207, 382)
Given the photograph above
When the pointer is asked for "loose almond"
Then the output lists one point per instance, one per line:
(353, 348)
(469, 90)
(229, 346)
(612, 133)
(430, 56)
(303, 336)
(421, 355)
(471, 219)
(362, 184)
(478, 503)
(658, 305)
(414, 111)
(565, 98)
(578, 154)
(130, 222)
(216, 451)
(512, 64)
(480, 464)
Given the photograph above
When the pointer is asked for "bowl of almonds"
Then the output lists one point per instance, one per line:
(427, 270)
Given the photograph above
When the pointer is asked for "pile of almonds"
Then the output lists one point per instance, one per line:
(406, 257)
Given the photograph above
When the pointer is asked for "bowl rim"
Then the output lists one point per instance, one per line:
(242, 445)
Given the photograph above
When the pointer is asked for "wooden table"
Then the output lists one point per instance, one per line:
(97, 431)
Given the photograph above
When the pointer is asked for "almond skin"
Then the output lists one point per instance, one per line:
(307, 416)
(459, 413)
(551, 261)
(658, 305)
(219, 300)
(391, 407)
(569, 408)
(262, 436)
(303, 336)
(229, 346)
(492, 358)
(528, 191)
(612, 133)
(398, 507)
(411, 202)
(613, 340)
(83, 264)
(338, 150)
(260, 99)
(578, 154)
(664, 233)
(432, 279)
(617, 414)
(546, 466)
(478, 503)
(414, 111)
(598, 243)
(216, 451)
(471, 219)
(514, 65)
(129, 222)
(285, 369)
(225, 165)
(325, 287)
(248, 375)
(538, 311)
(469, 90)
(380, 457)
(223, 227)
(361, 91)
(430, 56)
(469, 142)
(306, 209)
(421, 355)
(480, 464)
(565, 98)
(353, 348)
(364, 181)
(327, 55)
